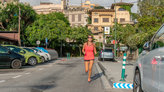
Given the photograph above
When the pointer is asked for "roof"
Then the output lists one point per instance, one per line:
(102, 10)
(121, 3)
(106, 15)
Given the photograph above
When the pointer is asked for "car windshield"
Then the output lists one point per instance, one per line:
(30, 50)
(14, 49)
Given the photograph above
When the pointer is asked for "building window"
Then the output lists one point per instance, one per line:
(96, 20)
(115, 19)
(96, 28)
(73, 18)
(122, 19)
(105, 19)
(79, 17)
(121, 9)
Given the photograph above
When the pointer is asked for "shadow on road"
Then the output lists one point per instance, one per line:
(96, 76)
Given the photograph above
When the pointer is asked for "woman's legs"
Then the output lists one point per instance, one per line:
(90, 69)
(86, 66)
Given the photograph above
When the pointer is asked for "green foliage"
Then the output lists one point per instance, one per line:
(48, 26)
(99, 7)
(89, 20)
(126, 7)
(9, 13)
(150, 19)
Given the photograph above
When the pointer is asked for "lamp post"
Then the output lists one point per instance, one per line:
(115, 31)
(19, 20)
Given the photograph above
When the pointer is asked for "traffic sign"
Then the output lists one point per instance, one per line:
(38, 42)
(107, 30)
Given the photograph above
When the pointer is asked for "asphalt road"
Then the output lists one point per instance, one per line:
(56, 76)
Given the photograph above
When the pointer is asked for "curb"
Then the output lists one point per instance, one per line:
(105, 72)
(103, 78)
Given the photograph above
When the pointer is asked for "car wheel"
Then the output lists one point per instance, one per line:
(137, 82)
(16, 64)
(32, 61)
(43, 59)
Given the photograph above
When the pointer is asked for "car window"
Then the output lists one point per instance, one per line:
(108, 50)
(30, 50)
(158, 40)
(3, 50)
(17, 50)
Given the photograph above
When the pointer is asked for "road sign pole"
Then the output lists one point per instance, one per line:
(123, 68)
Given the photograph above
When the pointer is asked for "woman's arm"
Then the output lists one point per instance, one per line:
(95, 49)
(83, 50)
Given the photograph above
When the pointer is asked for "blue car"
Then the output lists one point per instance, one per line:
(42, 49)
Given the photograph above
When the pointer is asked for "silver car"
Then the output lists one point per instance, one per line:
(149, 69)
(106, 54)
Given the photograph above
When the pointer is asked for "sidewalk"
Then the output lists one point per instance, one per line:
(113, 70)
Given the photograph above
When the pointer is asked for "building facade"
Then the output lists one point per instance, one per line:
(47, 7)
(106, 18)
(88, 5)
(77, 18)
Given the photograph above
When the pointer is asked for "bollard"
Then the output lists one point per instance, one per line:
(68, 55)
(123, 68)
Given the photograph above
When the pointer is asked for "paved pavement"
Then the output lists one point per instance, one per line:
(57, 76)
(112, 71)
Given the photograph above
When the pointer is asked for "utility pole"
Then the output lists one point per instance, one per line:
(115, 31)
(19, 27)
(81, 4)
(3, 1)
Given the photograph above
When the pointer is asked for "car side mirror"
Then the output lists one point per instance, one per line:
(146, 46)
(9, 52)
(22, 51)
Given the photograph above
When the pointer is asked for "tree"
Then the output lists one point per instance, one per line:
(9, 13)
(79, 36)
(99, 7)
(48, 26)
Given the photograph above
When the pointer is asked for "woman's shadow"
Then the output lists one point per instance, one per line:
(96, 76)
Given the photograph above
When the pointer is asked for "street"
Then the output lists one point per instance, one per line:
(57, 76)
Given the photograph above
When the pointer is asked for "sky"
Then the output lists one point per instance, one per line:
(105, 3)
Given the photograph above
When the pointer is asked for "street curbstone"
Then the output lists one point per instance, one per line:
(103, 78)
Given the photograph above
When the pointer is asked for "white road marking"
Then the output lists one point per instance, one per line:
(41, 69)
(28, 73)
(17, 76)
(1, 81)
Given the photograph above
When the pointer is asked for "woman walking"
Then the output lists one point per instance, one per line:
(89, 49)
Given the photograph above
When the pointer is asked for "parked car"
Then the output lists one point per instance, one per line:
(44, 56)
(42, 49)
(149, 69)
(106, 54)
(30, 58)
(10, 58)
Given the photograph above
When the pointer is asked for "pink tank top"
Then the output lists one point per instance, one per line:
(89, 52)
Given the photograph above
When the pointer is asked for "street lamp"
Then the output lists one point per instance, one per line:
(115, 31)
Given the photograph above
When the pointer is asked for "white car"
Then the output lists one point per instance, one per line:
(45, 56)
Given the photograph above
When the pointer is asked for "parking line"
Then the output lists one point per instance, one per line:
(1, 81)
(17, 76)
(41, 69)
(28, 73)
